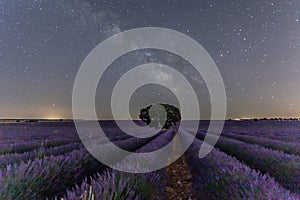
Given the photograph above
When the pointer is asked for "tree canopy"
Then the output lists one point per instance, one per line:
(160, 115)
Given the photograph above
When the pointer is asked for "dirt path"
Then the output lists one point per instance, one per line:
(178, 183)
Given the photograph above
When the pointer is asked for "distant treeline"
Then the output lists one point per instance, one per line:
(36, 120)
(269, 119)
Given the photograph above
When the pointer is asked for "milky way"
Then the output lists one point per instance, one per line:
(255, 44)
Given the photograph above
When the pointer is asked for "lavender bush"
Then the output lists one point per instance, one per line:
(16, 158)
(22, 147)
(22, 137)
(287, 131)
(221, 177)
(52, 175)
(286, 147)
(283, 167)
(114, 185)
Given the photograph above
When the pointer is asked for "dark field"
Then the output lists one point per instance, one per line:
(251, 160)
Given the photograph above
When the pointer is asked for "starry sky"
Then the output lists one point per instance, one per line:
(255, 44)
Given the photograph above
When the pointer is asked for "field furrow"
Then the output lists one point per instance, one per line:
(283, 167)
(220, 176)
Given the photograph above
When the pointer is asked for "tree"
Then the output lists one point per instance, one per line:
(160, 115)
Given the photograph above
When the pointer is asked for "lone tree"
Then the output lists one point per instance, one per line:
(160, 115)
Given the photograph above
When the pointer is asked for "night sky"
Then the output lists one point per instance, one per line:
(255, 44)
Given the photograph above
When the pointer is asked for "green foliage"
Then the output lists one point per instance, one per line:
(158, 117)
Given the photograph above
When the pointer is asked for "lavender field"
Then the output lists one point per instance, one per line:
(251, 160)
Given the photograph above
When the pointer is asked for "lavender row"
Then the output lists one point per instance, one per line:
(36, 178)
(35, 144)
(26, 132)
(121, 185)
(158, 142)
(285, 168)
(15, 159)
(153, 160)
(16, 133)
(280, 130)
(41, 151)
(52, 175)
(117, 185)
(22, 137)
(286, 147)
(30, 146)
(219, 176)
